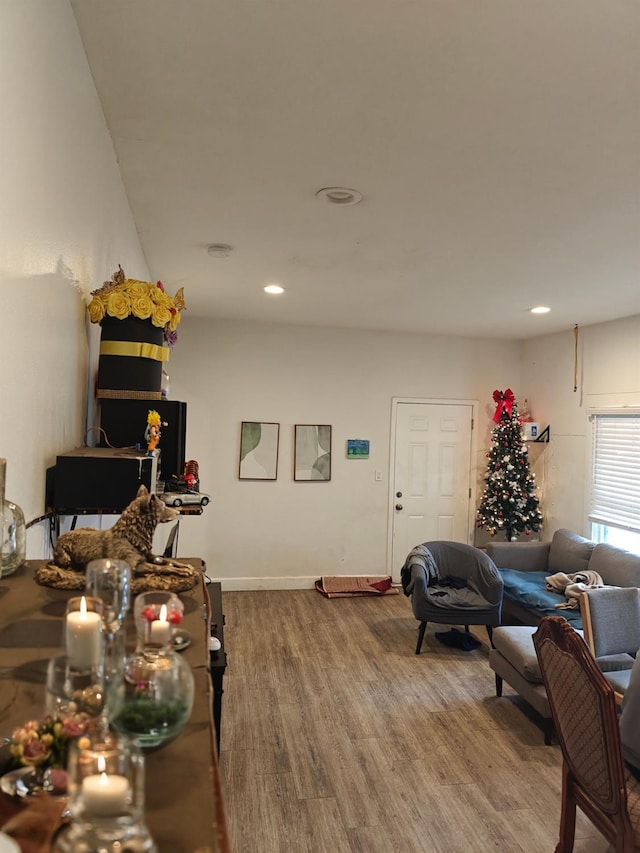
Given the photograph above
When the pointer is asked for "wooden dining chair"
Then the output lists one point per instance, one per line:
(594, 777)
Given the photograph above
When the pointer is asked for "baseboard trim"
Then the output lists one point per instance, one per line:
(248, 584)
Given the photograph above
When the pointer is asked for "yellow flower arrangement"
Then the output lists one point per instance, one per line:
(125, 297)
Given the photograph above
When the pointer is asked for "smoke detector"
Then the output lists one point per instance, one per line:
(219, 250)
(339, 195)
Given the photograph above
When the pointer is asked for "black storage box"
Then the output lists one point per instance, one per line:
(96, 479)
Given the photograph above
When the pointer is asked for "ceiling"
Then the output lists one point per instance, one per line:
(496, 144)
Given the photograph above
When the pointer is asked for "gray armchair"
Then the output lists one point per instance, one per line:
(453, 584)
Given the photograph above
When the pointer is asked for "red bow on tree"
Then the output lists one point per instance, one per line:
(505, 401)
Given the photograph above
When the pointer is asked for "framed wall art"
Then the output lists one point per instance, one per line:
(357, 448)
(258, 450)
(312, 452)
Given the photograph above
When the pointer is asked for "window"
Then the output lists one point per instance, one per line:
(614, 511)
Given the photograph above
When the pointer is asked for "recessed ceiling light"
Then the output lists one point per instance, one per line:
(219, 250)
(339, 195)
(540, 309)
(273, 288)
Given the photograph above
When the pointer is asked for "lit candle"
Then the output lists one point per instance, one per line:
(160, 628)
(103, 794)
(83, 637)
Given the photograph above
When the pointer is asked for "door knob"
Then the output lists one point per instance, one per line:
(398, 494)
(398, 506)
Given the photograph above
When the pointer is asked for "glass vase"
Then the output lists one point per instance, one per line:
(14, 542)
(158, 683)
(13, 534)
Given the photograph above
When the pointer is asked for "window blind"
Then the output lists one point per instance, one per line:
(615, 491)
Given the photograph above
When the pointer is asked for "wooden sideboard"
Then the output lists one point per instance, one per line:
(184, 806)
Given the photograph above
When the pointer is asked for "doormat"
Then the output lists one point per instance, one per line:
(345, 587)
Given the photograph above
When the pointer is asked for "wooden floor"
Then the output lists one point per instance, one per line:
(337, 738)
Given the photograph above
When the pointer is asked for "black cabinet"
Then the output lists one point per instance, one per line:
(217, 657)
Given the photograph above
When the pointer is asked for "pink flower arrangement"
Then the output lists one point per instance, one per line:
(45, 743)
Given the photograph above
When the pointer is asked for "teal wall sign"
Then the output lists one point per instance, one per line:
(357, 448)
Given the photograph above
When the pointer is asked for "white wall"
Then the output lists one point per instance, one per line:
(286, 533)
(608, 372)
(65, 224)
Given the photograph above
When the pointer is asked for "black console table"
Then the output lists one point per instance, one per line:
(217, 659)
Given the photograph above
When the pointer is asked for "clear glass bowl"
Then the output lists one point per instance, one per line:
(158, 684)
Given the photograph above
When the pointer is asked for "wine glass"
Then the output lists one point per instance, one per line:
(110, 580)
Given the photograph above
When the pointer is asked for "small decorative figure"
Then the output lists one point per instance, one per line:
(153, 432)
(525, 414)
(192, 475)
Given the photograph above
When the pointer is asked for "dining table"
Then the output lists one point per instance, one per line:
(184, 808)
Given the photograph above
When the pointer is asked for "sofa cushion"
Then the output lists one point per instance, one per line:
(570, 553)
(615, 663)
(619, 680)
(528, 590)
(515, 643)
(615, 566)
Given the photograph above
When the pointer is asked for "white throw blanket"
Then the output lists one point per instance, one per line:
(572, 585)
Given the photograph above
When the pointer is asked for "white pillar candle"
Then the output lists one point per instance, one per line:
(160, 628)
(105, 794)
(83, 637)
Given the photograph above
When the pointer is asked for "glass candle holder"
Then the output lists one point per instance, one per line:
(83, 631)
(106, 797)
(74, 697)
(157, 614)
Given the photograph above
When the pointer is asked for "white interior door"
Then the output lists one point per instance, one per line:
(431, 476)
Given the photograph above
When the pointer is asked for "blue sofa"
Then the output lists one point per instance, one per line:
(525, 565)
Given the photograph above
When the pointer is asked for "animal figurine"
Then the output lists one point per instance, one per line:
(130, 539)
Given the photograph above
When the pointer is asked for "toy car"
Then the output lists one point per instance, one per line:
(185, 498)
